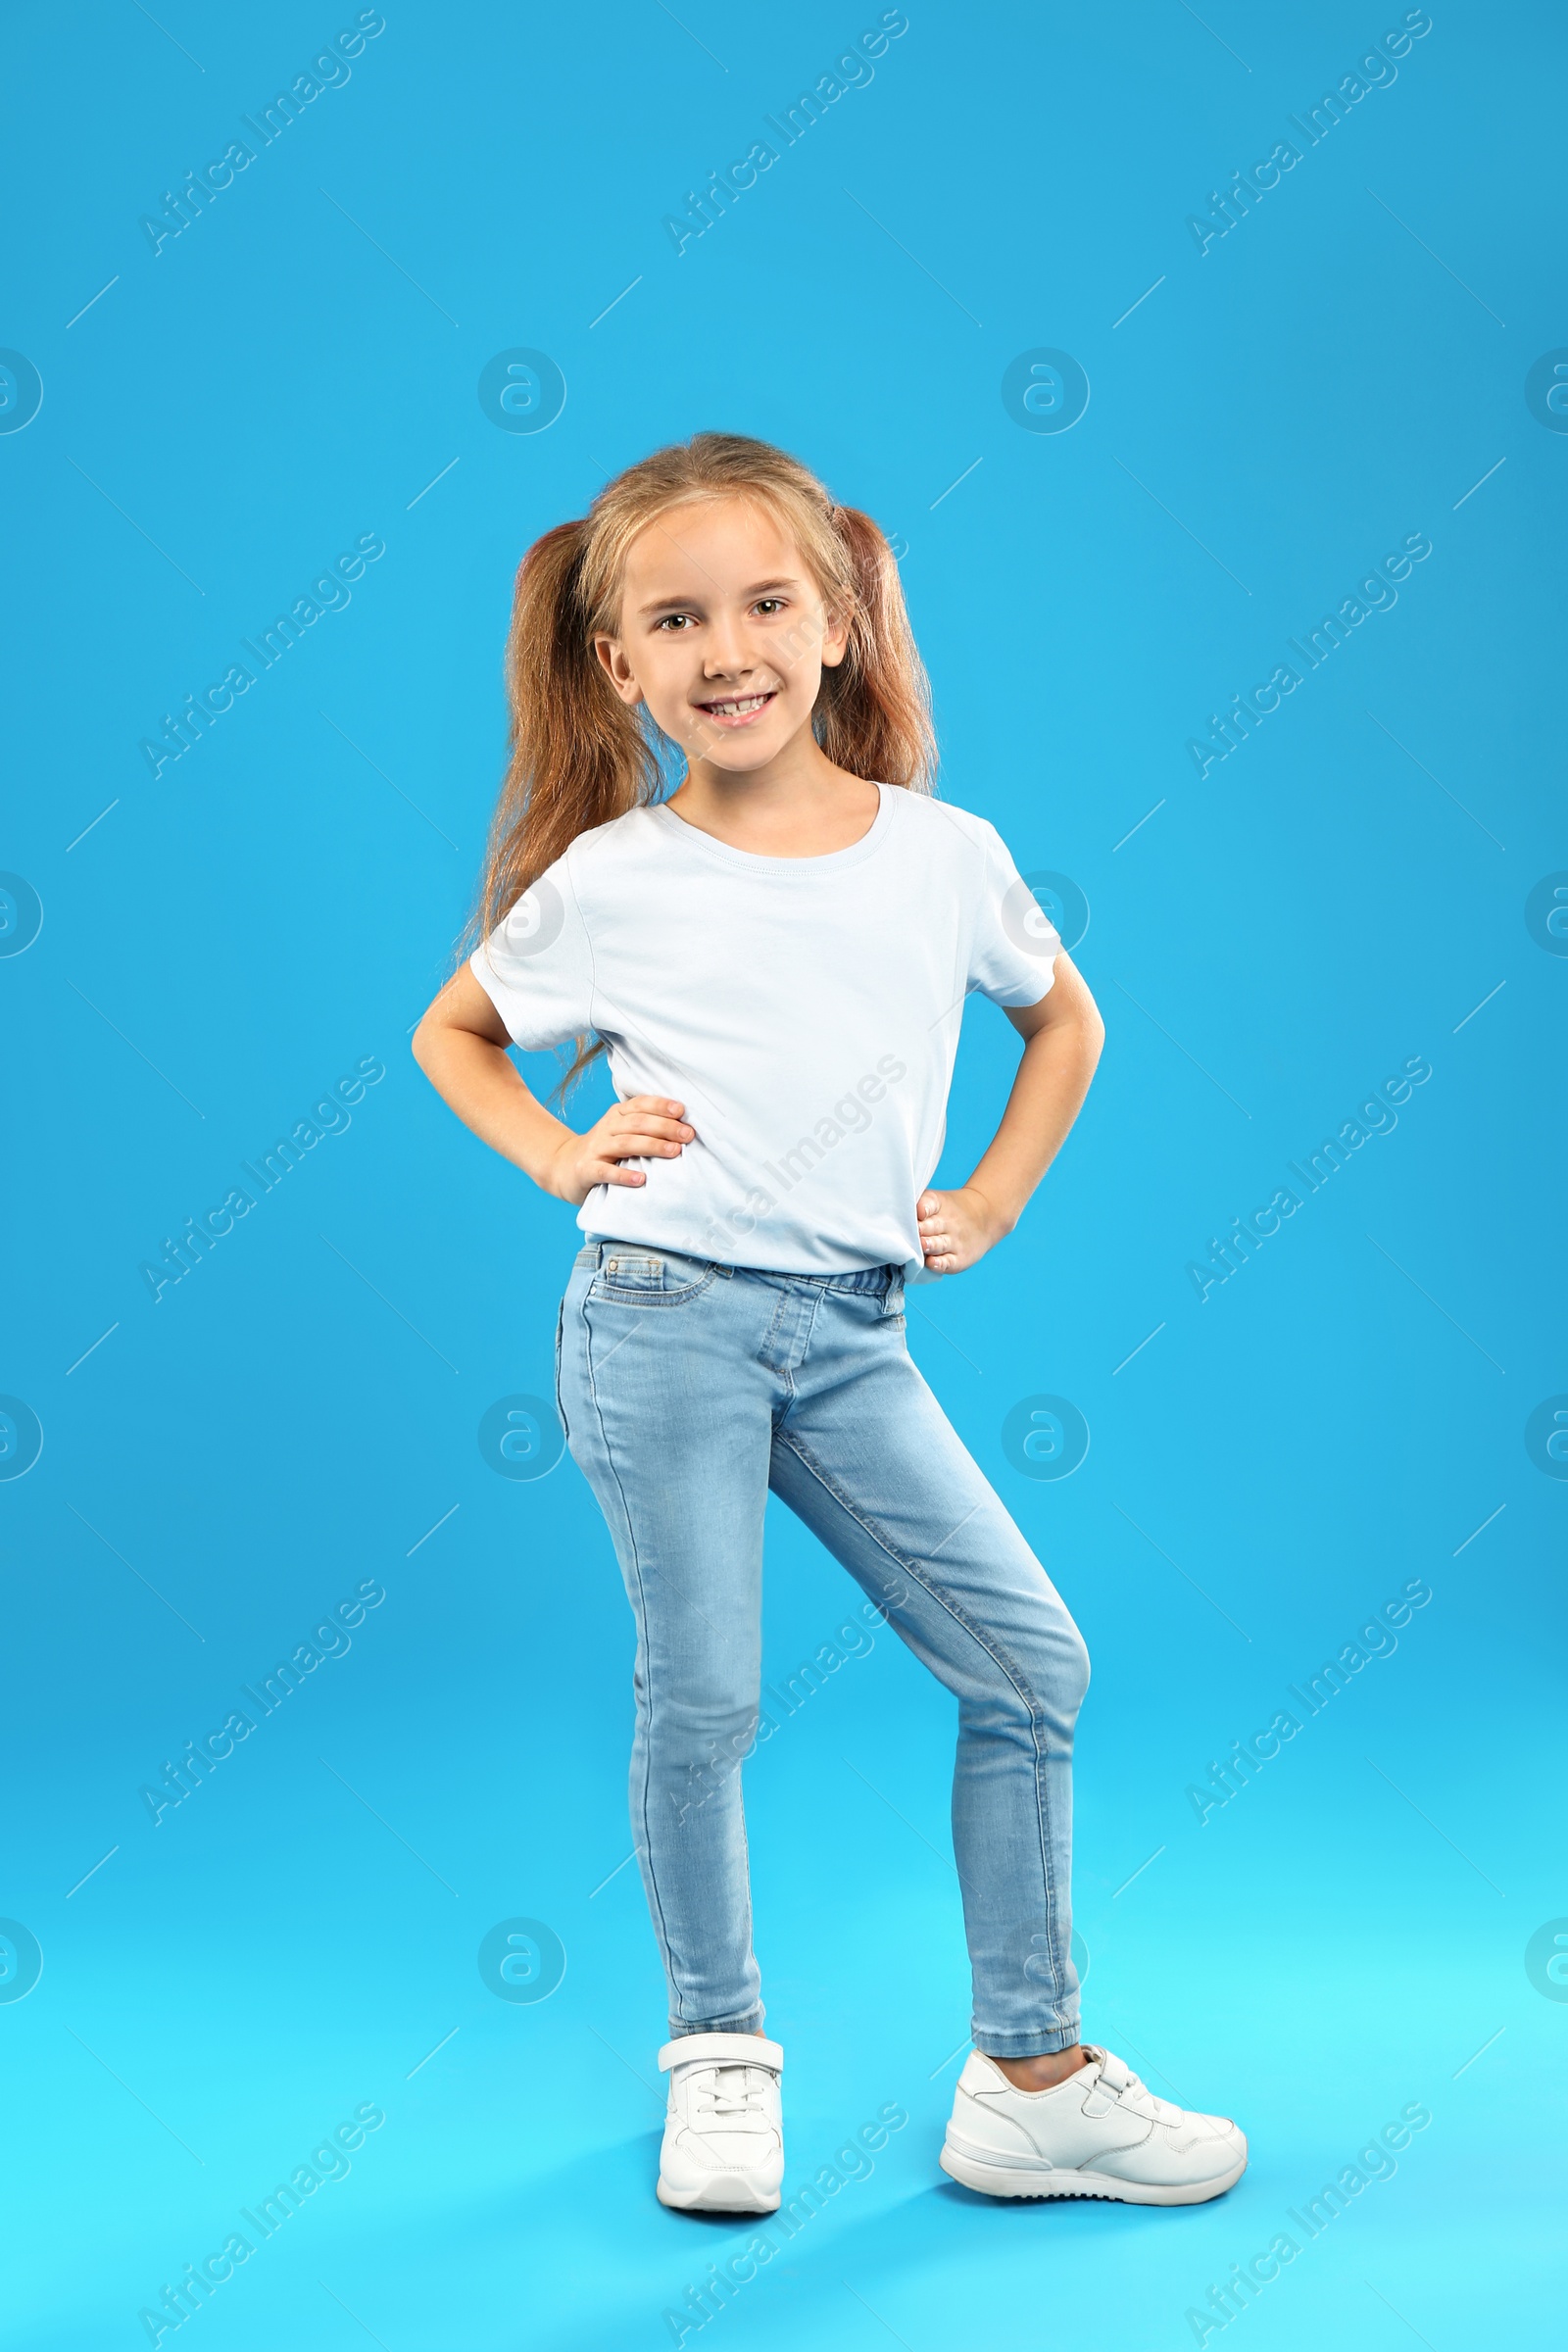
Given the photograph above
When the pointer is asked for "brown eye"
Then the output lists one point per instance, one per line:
(769, 604)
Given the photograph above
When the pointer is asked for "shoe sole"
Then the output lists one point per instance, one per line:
(1009, 2181)
(718, 2196)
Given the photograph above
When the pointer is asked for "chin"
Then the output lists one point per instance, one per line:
(741, 759)
(739, 755)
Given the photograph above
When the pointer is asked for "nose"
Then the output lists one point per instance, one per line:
(726, 654)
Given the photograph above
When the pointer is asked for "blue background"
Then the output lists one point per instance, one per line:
(222, 944)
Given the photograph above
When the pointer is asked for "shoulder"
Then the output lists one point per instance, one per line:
(630, 836)
(606, 857)
(941, 827)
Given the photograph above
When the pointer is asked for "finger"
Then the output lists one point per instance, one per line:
(637, 1145)
(606, 1171)
(645, 1122)
(651, 1119)
(673, 1110)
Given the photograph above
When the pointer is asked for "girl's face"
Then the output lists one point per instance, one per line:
(723, 632)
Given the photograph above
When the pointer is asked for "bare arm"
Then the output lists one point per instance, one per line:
(461, 1045)
(1062, 1036)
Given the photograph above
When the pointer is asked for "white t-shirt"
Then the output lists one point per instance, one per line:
(805, 1010)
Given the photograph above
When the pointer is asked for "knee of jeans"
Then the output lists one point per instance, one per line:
(1077, 1667)
(1057, 1665)
(1060, 1670)
(698, 1728)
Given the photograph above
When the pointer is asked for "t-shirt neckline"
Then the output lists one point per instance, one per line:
(748, 861)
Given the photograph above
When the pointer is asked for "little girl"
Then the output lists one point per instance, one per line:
(776, 956)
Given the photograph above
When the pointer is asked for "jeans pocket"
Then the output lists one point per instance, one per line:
(632, 1270)
(651, 1277)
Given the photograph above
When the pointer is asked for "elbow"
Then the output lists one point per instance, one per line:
(1091, 1030)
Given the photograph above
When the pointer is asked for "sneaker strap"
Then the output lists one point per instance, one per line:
(721, 2049)
(1117, 2084)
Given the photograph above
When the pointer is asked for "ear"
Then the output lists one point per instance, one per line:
(835, 639)
(617, 669)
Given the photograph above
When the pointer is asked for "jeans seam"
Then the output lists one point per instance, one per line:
(634, 1294)
(986, 2046)
(561, 1410)
(785, 1373)
(642, 1632)
(1004, 1664)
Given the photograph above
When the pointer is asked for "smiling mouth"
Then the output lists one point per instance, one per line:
(738, 709)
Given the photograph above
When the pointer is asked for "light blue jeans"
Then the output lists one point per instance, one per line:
(688, 1389)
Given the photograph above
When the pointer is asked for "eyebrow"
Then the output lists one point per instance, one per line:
(669, 603)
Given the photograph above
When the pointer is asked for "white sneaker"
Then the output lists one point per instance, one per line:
(1100, 2133)
(723, 2148)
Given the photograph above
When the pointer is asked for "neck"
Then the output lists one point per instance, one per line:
(797, 804)
(801, 771)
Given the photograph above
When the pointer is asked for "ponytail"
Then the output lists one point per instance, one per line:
(873, 714)
(579, 756)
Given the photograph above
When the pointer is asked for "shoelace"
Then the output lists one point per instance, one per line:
(734, 2090)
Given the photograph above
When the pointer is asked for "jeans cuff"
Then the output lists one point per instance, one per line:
(1042, 2043)
(750, 2022)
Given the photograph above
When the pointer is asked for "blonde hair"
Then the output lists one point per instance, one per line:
(580, 757)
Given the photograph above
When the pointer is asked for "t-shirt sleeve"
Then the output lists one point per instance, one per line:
(536, 966)
(1012, 959)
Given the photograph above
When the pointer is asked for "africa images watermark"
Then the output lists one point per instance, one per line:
(1374, 2161)
(851, 2162)
(850, 1114)
(183, 207)
(787, 1695)
(1375, 1116)
(199, 1234)
(329, 1639)
(1376, 1639)
(328, 594)
(1229, 208)
(852, 71)
(201, 2282)
(1377, 592)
